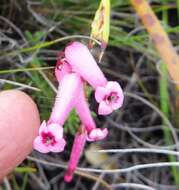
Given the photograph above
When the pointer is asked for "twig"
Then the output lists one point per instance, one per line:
(158, 111)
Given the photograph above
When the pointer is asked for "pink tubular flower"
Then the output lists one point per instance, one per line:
(82, 62)
(109, 97)
(50, 138)
(77, 149)
(51, 134)
(69, 88)
(82, 108)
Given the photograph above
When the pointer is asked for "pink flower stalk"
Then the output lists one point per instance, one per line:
(69, 88)
(50, 138)
(77, 149)
(109, 98)
(82, 62)
(82, 108)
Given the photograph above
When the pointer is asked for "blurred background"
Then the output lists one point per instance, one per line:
(28, 30)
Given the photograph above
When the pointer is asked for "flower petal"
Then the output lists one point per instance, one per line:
(39, 146)
(43, 127)
(58, 147)
(105, 133)
(104, 109)
(100, 93)
(56, 130)
(97, 134)
(119, 102)
(113, 86)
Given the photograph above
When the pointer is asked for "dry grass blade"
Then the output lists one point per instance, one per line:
(159, 37)
(19, 84)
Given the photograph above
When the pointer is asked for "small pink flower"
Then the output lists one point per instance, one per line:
(97, 134)
(50, 138)
(77, 149)
(82, 62)
(109, 97)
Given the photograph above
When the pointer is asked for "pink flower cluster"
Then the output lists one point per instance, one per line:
(75, 66)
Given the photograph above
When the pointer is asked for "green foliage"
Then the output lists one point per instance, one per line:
(34, 38)
(72, 124)
(25, 169)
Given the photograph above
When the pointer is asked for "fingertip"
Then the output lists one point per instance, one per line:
(19, 123)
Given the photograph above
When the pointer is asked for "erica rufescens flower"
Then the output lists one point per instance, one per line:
(82, 108)
(50, 138)
(109, 97)
(77, 149)
(82, 62)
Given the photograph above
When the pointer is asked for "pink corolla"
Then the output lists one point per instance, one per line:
(109, 97)
(77, 149)
(50, 138)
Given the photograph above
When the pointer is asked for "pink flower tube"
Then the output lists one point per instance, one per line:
(82, 62)
(77, 149)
